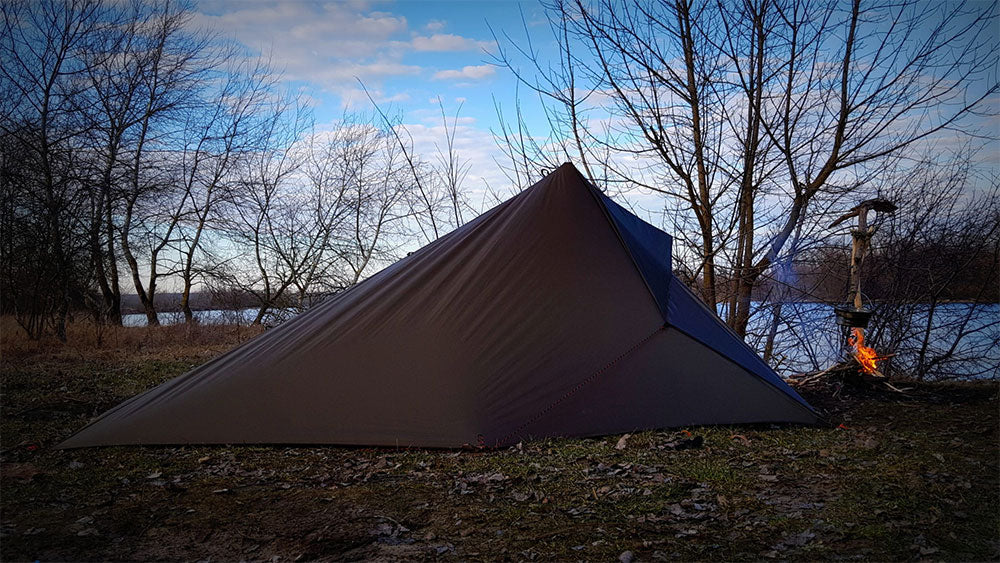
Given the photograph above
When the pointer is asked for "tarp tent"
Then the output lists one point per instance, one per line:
(553, 314)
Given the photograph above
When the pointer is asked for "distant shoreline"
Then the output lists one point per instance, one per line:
(175, 307)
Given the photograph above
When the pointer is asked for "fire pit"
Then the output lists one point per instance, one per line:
(853, 317)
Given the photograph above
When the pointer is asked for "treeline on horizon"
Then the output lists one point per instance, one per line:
(821, 278)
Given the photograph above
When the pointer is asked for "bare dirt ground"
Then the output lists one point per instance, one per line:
(893, 477)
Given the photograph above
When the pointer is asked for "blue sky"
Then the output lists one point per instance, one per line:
(408, 54)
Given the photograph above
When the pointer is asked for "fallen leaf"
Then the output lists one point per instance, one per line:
(621, 446)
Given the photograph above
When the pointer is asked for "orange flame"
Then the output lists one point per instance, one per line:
(866, 356)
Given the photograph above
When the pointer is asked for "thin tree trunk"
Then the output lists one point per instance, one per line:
(772, 332)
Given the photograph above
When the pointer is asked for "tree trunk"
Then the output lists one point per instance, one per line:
(708, 277)
(144, 298)
(186, 302)
(259, 318)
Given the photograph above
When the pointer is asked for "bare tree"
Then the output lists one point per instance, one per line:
(136, 146)
(261, 222)
(42, 76)
(170, 64)
(382, 180)
(935, 262)
(315, 214)
(110, 114)
(747, 112)
(452, 170)
(112, 108)
(216, 137)
(429, 196)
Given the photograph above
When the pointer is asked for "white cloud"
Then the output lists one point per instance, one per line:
(435, 25)
(447, 42)
(400, 97)
(356, 98)
(471, 72)
(327, 44)
(460, 100)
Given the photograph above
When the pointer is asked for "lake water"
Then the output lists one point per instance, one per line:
(964, 338)
(213, 317)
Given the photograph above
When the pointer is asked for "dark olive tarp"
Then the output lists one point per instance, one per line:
(553, 314)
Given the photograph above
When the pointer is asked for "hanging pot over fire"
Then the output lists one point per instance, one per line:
(854, 315)
(851, 316)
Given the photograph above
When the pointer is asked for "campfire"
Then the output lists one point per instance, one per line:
(867, 357)
(858, 371)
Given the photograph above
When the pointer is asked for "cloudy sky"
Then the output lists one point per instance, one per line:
(408, 54)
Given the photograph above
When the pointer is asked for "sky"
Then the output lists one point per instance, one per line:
(411, 56)
(408, 54)
(414, 56)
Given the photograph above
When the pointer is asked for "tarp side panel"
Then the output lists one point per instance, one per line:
(479, 329)
(690, 315)
(107, 429)
(302, 382)
(649, 247)
(671, 381)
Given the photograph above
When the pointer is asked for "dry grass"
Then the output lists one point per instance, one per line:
(84, 338)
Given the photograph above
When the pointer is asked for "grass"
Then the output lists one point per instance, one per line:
(903, 478)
